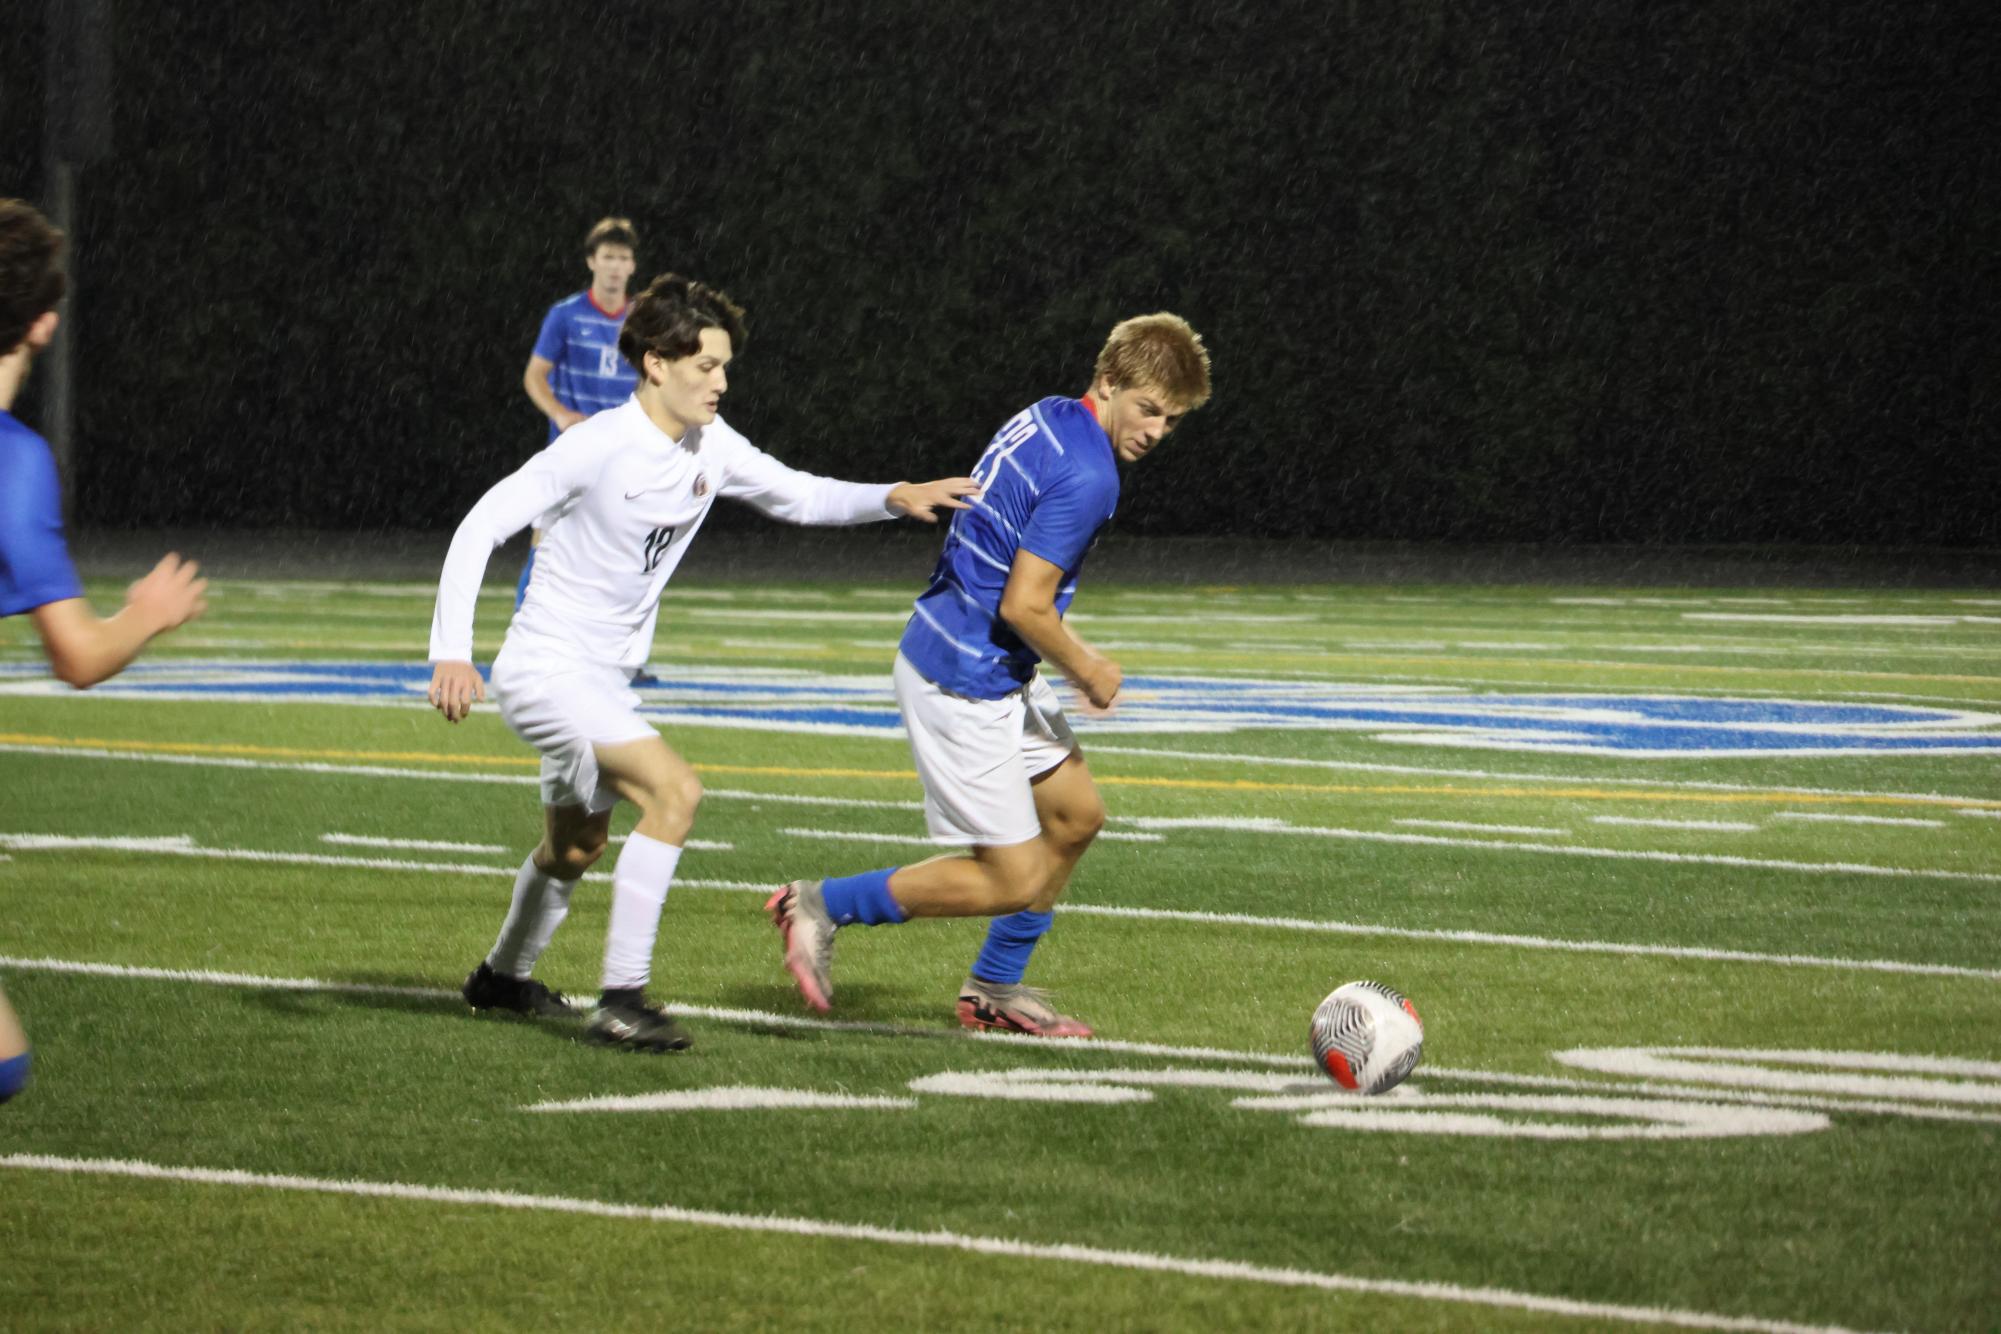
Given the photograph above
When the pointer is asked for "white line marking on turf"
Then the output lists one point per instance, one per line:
(1978, 1082)
(1611, 854)
(1429, 771)
(687, 845)
(453, 776)
(1717, 826)
(409, 844)
(1985, 815)
(175, 843)
(1468, 826)
(1530, 942)
(1066, 1253)
(865, 836)
(235, 762)
(1830, 818)
(728, 1098)
(183, 847)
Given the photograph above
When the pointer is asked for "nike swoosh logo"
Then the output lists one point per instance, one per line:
(634, 495)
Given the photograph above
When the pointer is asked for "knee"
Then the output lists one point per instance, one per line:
(1012, 893)
(1076, 829)
(674, 796)
(569, 860)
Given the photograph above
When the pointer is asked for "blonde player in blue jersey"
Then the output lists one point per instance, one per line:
(1003, 776)
(37, 578)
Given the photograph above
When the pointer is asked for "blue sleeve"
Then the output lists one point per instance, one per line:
(555, 332)
(1067, 516)
(35, 566)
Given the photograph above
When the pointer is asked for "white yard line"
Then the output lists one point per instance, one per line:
(1984, 815)
(1531, 942)
(1499, 775)
(410, 844)
(1830, 818)
(1001, 1247)
(1713, 826)
(1561, 850)
(1470, 827)
(866, 836)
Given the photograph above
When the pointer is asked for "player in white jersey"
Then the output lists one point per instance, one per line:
(630, 488)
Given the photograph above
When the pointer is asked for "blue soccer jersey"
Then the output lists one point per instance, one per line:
(35, 567)
(581, 340)
(1048, 483)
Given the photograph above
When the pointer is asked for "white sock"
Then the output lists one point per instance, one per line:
(638, 892)
(541, 902)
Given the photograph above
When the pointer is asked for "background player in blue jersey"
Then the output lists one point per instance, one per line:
(575, 369)
(36, 575)
(1003, 775)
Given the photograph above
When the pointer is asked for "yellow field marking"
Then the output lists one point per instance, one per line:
(1105, 780)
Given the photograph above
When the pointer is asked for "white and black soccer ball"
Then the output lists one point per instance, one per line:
(1367, 1037)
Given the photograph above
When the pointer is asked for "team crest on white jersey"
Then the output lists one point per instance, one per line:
(701, 485)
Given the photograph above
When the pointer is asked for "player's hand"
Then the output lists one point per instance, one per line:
(923, 500)
(169, 595)
(455, 686)
(566, 418)
(1100, 683)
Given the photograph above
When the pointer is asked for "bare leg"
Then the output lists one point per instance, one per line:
(1072, 813)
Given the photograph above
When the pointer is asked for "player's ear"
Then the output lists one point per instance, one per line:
(43, 330)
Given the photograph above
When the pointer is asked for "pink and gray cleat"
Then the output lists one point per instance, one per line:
(800, 915)
(1013, 1008)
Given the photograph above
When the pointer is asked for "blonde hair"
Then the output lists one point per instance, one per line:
(1159, 350)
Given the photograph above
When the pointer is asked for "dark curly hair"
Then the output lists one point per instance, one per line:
(669, 316)
(31, 270)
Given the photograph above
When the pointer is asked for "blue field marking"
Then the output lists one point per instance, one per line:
(1628, 725)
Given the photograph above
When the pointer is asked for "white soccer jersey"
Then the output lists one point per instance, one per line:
(626, 501)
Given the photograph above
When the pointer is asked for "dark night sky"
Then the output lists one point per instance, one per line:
(1548, 272)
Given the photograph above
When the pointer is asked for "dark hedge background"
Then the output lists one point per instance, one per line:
(1573, 272)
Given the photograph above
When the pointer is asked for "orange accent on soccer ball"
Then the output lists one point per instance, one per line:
(1337, 1066)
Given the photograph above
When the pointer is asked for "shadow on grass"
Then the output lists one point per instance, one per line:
(403, 993)
(890, 1011)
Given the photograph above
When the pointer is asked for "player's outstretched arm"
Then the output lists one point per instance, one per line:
(923, 500)
(455, 687)
(1028, 605)
(85, 649)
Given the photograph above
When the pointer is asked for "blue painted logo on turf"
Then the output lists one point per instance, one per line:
(1635, 726)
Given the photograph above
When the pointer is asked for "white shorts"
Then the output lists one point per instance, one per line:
(976, 757)
(563, 708)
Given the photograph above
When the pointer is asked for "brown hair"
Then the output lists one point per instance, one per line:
(669, 316)
(611, 231)
(1158, 350)
(31, 270)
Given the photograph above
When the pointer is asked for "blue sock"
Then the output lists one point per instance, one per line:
(863, 898)
(1010, 940)
(521, 588)
(13, 1076)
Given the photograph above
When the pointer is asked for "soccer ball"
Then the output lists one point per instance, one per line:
(1367, 1037)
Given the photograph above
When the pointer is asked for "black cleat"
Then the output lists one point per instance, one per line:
(641, 1026)
(488, 990)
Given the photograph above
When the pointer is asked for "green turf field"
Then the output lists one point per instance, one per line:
(240, 886)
